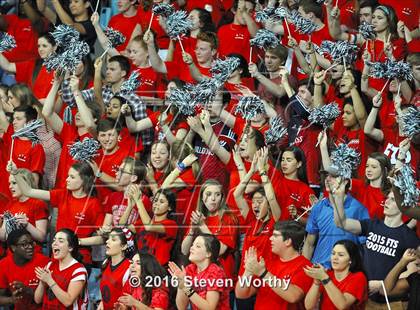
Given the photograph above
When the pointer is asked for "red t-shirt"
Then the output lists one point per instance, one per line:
(26, 39)
(109, 164)
(10, 272)
(34, 209)
(159, 245)
(259, 237)
(125, 25)
(117, 204)
(372, 198)
(24, 154)
(186, 197)
(188, 43)
(225, 229)
(354, 284)
(82, 215)
(67, 137)
(132, 143)
(72, 273)
(209, 276)
(112, 282)
(151, 83)
(293, 270)
(41, 85)
(160, 295)
(180, 70)
(292, 192)
(235, 39)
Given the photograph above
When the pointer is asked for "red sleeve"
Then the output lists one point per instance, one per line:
(154, 116)
(4, 284)
(357, 286)
(188, 177)
(183, 125)
(215, 273)
(24, 71)
(357, 188)
(239, 126)
(37, 159)
(171, 228)
(41, 210)
(301, 280)
(172, 69)
(56, 196)
(160, 299)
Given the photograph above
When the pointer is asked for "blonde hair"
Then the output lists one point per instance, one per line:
(27, 176)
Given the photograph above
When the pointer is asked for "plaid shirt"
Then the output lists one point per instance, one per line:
(137, 106)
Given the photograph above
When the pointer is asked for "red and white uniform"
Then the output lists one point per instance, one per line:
(63, 277)
(112, 282)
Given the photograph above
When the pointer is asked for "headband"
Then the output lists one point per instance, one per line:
(384, 9)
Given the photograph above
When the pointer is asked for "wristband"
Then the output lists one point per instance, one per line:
(374, 106)
(326, 281)
(51, 286)
(190, 292)
(264, 274)
(98, 174)
(263, 173)
(181, 166)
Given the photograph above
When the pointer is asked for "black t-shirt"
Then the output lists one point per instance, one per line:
(414, 282)
(384, 248)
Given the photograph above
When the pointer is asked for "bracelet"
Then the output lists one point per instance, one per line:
(263, 274)
(51, 286)
(374, 106)
(181, 166)
(98, 174)
(263, 173)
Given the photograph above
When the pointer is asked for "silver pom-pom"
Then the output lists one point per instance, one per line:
(410, 121)
(276, 130)
(325, 115)
(65, 35)
(69, 59)
(204, 92)
(407, 186)
(344, 160)
(339, 50)
(366, 30)
(178, 24)
(249, 107)
(114, 36)
(163, 9)
(182, 99)
(264, 14)
(303, 25)
(7, 42)
(222, 69)
(10, 222)
(29, 131)
(390, 70)
(131, 84)
(265, 39)
(84, 150)
(282, 12)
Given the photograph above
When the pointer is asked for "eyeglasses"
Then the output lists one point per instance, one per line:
(25, 245)
(124, 171)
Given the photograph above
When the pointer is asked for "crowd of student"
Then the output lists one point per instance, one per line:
(201, 211)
